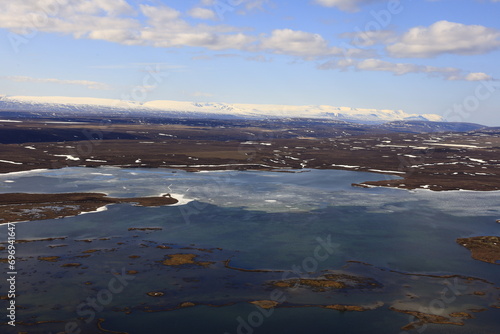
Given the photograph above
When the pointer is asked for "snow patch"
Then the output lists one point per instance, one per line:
(68, 157)
(182, 200)
(26, 172)
(11, 162)
(386, 171)
(477, 160)
(9, 121)
(345, 166)
(456, 145)
(100, 209)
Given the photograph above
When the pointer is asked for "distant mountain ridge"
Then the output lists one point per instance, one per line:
(426, 127)
(165, 108)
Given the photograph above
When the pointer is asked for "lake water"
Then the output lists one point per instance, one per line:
(271, 226)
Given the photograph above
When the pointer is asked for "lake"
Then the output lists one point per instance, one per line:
(241, 234)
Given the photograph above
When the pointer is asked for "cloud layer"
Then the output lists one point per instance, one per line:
(347, 5)
(165, 27)
(445, 37)
(86, 83)
(447, 73)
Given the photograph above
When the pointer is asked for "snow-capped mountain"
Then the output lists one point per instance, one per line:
(165, 108)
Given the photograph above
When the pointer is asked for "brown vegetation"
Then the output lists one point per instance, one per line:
(180, 259)
(486, 249)
(443, 161)
(16, 207)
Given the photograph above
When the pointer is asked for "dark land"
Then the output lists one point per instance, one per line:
(434, 156)
(486, 249)
(15, 207)
(428, 155)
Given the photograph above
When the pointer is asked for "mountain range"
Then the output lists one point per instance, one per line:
(40, 105)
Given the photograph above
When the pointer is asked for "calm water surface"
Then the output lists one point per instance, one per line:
(272, 225)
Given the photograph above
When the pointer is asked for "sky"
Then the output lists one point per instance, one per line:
(420, 56)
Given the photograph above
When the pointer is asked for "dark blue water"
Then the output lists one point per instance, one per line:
(272, 225)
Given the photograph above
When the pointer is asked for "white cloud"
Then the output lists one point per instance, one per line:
(202, 13)
(62, 7)
(447, 73)
(479, 76)
(100, 20)
(85, 83)
(162, 26)
(445, 37)
(354, 5)
(346, 5)
(255, 4)
(166, 29)
(159, 15)
(241, 7)
(114, 35)
(298, 43)
(380, 65)
(304, 44)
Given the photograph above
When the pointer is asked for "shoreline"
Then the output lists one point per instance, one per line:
(424, 160)
(401, 183)
(22, 207)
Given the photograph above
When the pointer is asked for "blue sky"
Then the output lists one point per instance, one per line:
(419, 56)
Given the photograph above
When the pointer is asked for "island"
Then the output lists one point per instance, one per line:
(16, 207)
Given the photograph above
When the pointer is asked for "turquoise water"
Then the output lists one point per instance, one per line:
(274, 222)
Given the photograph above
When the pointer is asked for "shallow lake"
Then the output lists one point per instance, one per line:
(246, 231)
